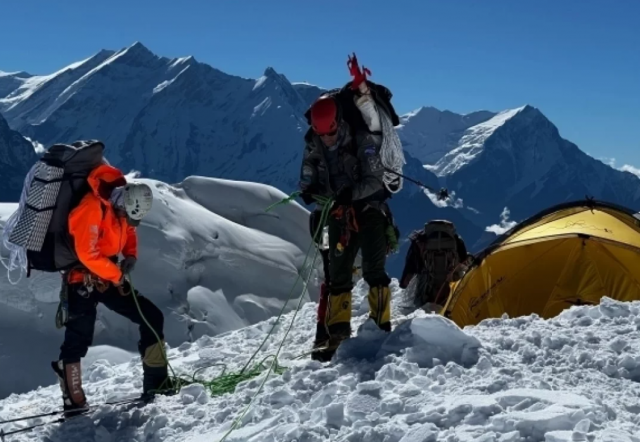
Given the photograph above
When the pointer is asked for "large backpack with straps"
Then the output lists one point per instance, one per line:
(350, 112)
(37, 233)
(438, 247)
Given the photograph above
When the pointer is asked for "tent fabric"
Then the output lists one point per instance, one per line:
(571, 254)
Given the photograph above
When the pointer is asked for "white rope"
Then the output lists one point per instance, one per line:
(391, 153)
(17, 254)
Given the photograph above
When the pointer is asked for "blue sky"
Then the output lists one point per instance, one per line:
(576, 60)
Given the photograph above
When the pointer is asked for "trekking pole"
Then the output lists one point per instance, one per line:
(442, 194)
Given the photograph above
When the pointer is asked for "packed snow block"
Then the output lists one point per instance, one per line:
(424, 340)
(255, 308)
(209, 313)
(421, 433)
(432, 338)
(364, 346)
(194, 393)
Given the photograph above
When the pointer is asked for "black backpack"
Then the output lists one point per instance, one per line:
(54, 187)
(351, 113)
(438, 247)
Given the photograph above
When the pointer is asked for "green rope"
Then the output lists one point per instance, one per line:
(223, 383)
(227, 383)
(178, 382)
(323, 218)
(320, 199)
(286, 200)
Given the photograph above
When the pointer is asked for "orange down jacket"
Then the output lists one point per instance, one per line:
(97, 231)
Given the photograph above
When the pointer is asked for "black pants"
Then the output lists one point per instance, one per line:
(370, 239)
(79, 328)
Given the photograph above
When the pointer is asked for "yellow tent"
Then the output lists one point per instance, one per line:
(571, 254)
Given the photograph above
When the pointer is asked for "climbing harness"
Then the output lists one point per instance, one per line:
(347, 217)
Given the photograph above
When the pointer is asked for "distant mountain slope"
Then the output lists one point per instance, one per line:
(172, 118)
(518, 160)
(17, 155)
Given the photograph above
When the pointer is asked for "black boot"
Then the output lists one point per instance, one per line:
(70, 379)
(324, 351)
(155, 381)
(155, 369)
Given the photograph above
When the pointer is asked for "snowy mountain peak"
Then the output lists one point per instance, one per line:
(278, 79)
(35, 98)
(138, 46)
(473, 141)
(517, 159)
(422, 112)
(18, 74)
(136, 55)
(167, 117)
(140, 50)
(273, 84)
(429, 133)
(10, 81)
(270, 72)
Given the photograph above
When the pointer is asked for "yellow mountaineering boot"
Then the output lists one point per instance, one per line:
(338, 325)
(380, 306)
(156, 379)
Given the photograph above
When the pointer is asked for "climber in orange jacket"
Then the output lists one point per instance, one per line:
(101, 229)
(102, 226)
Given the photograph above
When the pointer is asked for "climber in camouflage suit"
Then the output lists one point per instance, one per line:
(342, 160)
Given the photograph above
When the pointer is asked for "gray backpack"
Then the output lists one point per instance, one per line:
(54, 186)
(439, 250)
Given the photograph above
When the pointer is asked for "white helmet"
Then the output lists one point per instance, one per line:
(138, 199)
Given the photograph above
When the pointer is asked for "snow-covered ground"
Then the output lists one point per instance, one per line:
(210, 257)
(570, 378)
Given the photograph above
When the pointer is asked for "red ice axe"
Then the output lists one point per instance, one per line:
(359, 77)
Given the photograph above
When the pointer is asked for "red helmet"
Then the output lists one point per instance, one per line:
(325, 116)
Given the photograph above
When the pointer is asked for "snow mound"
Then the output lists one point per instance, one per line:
(210, 257)
(524, 379)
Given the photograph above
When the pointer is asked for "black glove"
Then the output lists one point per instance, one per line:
(307, 198)
(127, 265)
(125, 288)
(344, 197)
